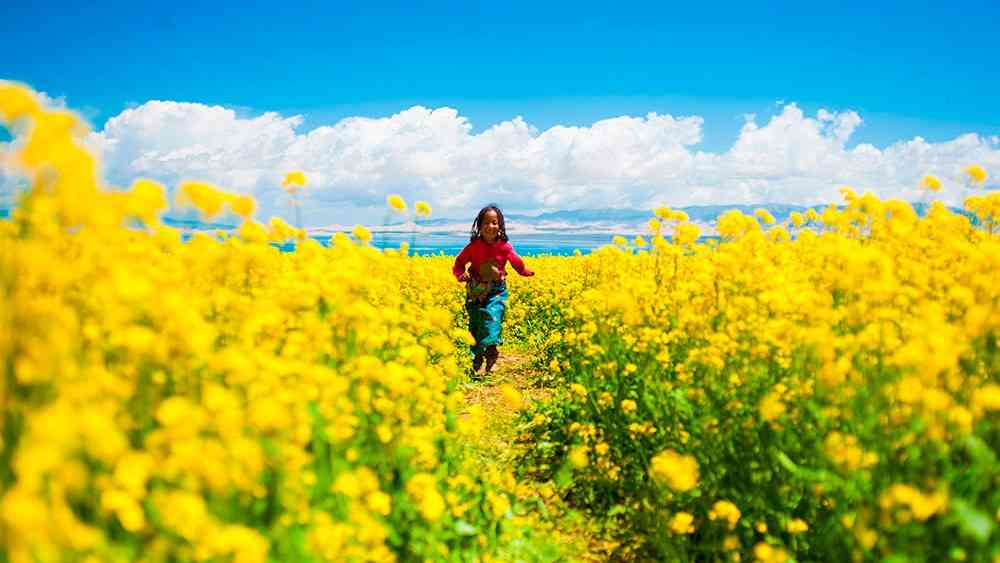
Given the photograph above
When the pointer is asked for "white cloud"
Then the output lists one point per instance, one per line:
(432, 154)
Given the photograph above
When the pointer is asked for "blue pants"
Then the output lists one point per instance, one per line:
(486, 304)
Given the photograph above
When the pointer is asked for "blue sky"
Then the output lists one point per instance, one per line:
(907, 68)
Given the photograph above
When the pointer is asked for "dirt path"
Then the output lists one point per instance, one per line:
(513, 367)
(570, 532)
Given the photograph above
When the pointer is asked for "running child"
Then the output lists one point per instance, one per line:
(487, 254)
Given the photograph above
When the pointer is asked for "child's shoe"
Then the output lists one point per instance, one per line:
(491, 357)
(477, 362)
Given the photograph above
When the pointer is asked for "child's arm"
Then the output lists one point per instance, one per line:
(463, 258)
(518, 264)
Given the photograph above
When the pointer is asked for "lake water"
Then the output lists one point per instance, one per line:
(562, 244)
(450, 244)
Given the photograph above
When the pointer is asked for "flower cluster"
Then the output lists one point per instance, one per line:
(204, 396)
(826, 387)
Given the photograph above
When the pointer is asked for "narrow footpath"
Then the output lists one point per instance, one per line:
(561, 533)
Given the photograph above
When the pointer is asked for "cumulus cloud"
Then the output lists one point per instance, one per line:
(432, 154)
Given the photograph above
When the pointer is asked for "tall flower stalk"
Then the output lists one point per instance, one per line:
(294, 183)
(396, 204)
(421, 209)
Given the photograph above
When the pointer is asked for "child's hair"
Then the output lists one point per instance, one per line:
(478, 223)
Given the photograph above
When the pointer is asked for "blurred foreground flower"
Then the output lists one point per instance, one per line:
(682, 523)
(977, 174)
(677, 471)
(362, 234)
(764, 215)
(511, 396)
(243, 205)
(422, 208)
(293, 181)
(931, 183)
(396, 202)
(203, 196)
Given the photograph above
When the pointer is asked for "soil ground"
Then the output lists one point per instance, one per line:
(573, 535)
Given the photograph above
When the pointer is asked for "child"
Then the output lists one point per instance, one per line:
(486, 290)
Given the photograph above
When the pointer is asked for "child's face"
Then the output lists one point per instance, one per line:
(490, 226)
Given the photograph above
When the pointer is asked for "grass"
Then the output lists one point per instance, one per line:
(551, 531)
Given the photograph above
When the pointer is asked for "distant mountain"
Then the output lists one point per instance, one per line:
(586, 215)
(617, 221)
(195, 224)
(700, 213)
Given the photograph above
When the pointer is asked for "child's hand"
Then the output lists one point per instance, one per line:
(528, 273)
(464, 277)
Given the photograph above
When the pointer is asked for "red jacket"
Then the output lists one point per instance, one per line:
(494, 257)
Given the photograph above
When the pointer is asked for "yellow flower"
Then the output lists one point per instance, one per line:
(347, 484)
(726, 511)
(422, 208)
(771, 406)
(279, 231)
(675, 470)
(578, 457)
(931, 183)
(243, 205)
(294, 180)
(396, 202)
(252, 231)
(682, 523)
(498, 502)
(423, 488)
(764, 215)
(654, 226)
(923, 506)
(16, 101)
(977, 174)
(628, 406)
(843, 450)
(797, 526)
(734, 224)
(147, 200)
(686, 233)
(185, 513)
(511, 396)
(205, 197)
(432, 506)
(379, 503)
(848, 194)
(767, 553)
(619, 240)
(987, 397)
(362, 234)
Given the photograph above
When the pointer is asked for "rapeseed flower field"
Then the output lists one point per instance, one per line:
(827, 388)
(217, 399)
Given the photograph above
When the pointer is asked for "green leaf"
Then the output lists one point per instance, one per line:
(982, 454)
(564, 477)
(971, 521)
(617, 509)
(463, 528)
